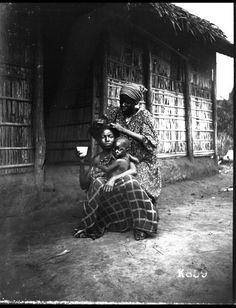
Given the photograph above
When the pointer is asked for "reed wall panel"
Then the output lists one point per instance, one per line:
(167, 100)
(16, 73)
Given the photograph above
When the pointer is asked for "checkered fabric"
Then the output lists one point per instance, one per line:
(125, 208)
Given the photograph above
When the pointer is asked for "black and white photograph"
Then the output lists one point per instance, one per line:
(117, 153)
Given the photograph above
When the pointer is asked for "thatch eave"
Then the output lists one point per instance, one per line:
(155, 17)
(182, 24)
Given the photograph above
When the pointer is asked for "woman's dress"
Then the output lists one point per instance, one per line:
(148, 170)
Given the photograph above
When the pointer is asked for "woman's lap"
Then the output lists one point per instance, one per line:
(126, 207)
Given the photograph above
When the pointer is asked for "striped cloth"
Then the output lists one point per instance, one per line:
(125, 208)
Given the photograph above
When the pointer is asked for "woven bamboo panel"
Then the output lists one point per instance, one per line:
(16, 63)
(125, 63)
(203, 131)
(201, 80)
(169, 112)
(167, 74)
(16, 141)
(114, 87)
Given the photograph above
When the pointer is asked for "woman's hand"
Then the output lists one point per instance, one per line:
(118, 127)
(108, 187)
(128, 132)
(81, 158)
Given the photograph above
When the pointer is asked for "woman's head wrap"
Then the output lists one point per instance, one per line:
(134, 91)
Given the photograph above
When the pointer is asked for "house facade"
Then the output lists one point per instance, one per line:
(62, 65)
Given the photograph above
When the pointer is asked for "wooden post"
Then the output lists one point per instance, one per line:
(214, 110)
(188, 117)
(104, 90)
(94, 85)
(39, 133)
(148, 77)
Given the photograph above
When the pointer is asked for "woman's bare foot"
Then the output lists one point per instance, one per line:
(140, 235)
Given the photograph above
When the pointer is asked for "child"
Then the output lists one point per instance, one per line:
(123, 159)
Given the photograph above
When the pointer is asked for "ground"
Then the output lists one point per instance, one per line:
(189, 261)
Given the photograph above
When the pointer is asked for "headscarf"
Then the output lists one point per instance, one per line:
(134, 91)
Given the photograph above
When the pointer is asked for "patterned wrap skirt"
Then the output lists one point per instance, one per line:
(125, 208)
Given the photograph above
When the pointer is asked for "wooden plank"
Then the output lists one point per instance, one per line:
(40, 141)
(93, 115)
(14, 124)
(214, 109)
(148, 76)
(16, 166)
(187, 97)
(16, 148)
(104, 92)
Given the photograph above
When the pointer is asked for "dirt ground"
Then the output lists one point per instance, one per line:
(189, 261)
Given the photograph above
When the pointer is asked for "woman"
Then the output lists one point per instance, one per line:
(125, 207)
(140, 127)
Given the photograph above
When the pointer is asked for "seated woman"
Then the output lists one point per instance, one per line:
(125, 207)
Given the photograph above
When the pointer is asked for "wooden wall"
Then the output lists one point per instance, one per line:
(16, 73)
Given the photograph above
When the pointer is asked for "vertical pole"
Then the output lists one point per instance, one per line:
(188, 118)
(104, 90)
(214, 110)
(40, 142)
(148, 77)
(93, 143)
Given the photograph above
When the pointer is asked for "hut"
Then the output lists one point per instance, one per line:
(62, 65)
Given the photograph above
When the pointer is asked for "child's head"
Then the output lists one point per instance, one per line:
(122, 145)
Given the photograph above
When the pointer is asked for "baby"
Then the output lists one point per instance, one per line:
(123, 158)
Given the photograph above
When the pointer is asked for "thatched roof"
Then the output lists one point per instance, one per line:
(183, 21)
(168, 20)
(164, 20)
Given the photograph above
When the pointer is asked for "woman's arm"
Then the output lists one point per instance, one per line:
(128, 132)
(85, 171)
(148, 134)
(84, 178)
(84, 175)
(110, 183)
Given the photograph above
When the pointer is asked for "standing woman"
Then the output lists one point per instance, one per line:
(140, 127)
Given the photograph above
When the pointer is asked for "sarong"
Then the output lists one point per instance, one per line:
(125, 208)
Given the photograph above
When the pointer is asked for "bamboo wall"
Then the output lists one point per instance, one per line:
(71, 110)
(168, 103)
(16, 73)
(202, 110)
(125, 64)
